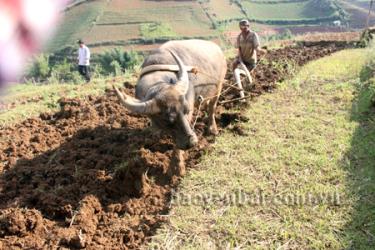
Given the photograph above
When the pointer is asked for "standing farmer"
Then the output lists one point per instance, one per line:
(84, 60)
(248, 45)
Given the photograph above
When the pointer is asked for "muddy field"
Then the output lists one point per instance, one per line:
(95, 176)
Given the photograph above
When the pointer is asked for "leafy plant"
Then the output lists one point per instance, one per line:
(40, 68)
(367, 74)
(64, 72)
(116, 61)
(116, 67)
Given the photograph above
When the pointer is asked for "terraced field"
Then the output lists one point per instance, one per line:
(285, 11)
(223, 10)
(135, 19)
(144, 24)
(186, 18)
(77, 23)
(101, 33)
(358, 13)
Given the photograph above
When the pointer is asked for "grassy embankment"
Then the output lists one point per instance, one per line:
(285, 11)
(29, 100)
(302, 178)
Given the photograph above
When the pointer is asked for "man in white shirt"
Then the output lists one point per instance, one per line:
(84, 60)
(248, 46)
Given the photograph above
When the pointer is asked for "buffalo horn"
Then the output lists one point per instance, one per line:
(136, 106)
(183, 79)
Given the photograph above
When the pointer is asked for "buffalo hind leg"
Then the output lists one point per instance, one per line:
(177, 164)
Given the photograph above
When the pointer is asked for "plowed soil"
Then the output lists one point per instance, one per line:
(95, 176)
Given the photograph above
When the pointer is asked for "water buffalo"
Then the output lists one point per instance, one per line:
(168, 93)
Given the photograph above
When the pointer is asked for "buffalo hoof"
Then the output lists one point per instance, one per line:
(213, 130)
(176, 168)
(177, 165)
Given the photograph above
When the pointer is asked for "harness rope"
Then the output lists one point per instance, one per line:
(200, 100)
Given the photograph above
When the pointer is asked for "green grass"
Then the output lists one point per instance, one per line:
(224, 9)
(76, 23)
(184, 19)
(155, 30)
(285, 11)
(302, 140)
(46, 97)
(107, 33)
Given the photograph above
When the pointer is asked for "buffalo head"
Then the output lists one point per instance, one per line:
(168, 109)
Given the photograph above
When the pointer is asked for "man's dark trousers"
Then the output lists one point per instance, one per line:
(84, 71)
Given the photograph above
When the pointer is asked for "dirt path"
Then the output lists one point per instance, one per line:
(93, 175)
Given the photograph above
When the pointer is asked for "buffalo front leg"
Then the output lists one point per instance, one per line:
(177, 164)
(212, 127)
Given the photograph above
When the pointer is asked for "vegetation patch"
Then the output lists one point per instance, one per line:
(366, 88)
(287, 11)
(222, 10)
(188, 16)
(300, 176)
(29, 100)
(155, 30)
(76, 24)
(113, 32)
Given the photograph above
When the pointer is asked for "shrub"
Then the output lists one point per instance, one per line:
(367, 76)
(40, 68)
(96, 71)
(116, 68)
(65, 72)
(132, 58)
(60, 67)
(117, 61)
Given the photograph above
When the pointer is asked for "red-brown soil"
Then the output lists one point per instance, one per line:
(94, 176)
(279, 64)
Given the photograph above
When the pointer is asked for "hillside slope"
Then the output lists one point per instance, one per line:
(141, 24)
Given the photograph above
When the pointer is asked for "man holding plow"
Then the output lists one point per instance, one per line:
(248, 46)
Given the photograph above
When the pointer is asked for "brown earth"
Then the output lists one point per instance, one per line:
(94, 176)
(279, 64)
